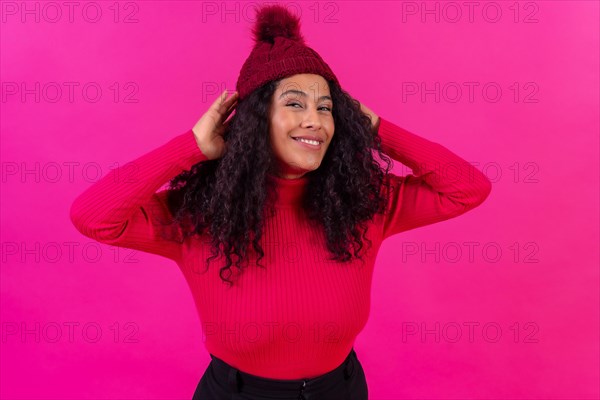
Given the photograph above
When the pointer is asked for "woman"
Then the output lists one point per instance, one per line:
(284, 195)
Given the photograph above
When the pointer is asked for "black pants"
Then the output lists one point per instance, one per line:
(223, 382)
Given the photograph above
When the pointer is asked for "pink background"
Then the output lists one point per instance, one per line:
(533, 272)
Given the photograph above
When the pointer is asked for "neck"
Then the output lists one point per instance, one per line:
(289, 191)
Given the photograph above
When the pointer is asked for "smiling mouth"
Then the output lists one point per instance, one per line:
(308, 141)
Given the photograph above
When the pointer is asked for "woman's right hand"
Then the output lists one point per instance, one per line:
(210, 128)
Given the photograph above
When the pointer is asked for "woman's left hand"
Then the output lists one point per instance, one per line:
(374, 118)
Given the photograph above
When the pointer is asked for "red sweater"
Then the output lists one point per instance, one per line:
(299, 317)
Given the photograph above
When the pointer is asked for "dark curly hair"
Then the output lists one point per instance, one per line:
(230, 197)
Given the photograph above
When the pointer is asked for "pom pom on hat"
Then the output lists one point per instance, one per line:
(275, 21)
(279, 51)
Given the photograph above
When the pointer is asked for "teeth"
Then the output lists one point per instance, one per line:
(313, 142)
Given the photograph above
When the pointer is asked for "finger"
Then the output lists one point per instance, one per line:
(227, 107)
(231, 108)
(231, 103)
(220, 103)
(228, 121)
(233, 98)
(229, 112)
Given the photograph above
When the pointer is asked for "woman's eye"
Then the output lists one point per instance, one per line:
(296, 104)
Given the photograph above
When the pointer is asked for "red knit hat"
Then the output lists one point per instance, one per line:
(279, 51)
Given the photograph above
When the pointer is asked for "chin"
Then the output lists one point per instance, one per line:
(310, 168)
(301, 167)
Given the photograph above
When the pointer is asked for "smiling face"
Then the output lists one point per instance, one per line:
(301, 124)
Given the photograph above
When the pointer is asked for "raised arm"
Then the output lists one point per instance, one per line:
(442, 185)
(123, 208)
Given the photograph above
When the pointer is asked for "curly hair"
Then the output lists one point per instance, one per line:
(229, 198)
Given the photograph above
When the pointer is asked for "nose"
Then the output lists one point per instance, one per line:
(311, 118)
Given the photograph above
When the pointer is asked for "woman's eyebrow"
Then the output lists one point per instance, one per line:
(301, 93)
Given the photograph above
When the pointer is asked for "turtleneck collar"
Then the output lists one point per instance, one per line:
(289, 191)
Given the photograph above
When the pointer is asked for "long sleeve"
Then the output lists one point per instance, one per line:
(443, 185)
(124, 208)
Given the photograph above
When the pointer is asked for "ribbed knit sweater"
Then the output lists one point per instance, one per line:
(298, 317)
